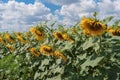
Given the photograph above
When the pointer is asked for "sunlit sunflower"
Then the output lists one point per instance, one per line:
(35, 52)
(37, 32)
(115, 32)
(86, 32)
(40, 37)
(110, 29)
(11, 48)
(2, 41)
(47, 50)
(58, 35)
(20, 38)
(9, 38)
(58, 54)
(67, 37)
(92, 26)
(33, 30)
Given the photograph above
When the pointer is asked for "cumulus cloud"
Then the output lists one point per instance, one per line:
(109, 7)
(74, 12)
(20, 16)
(59, 2)
(63, 2)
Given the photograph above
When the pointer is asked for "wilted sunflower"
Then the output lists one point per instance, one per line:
(58, 35)
(10, 48)
(47, 50)
(9, 38)
(92, 26)
(35, 52)
(58, 54)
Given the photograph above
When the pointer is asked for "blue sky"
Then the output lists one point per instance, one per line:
(20, 15)
(25, 1)
(53, 7)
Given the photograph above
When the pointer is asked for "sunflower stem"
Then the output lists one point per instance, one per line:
(100, 44)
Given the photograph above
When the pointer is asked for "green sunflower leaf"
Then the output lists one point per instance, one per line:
(108, 19)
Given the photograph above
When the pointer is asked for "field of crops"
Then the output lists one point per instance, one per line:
(89, 50)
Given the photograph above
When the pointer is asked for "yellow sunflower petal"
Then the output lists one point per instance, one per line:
(47, 50)
(91, 26)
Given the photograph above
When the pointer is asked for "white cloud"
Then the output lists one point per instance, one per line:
(63, 2)
(59, 2)
(73, 12)
(109, 6)
(20, 16)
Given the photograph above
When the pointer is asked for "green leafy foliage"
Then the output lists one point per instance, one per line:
(108, 19)
(88, 58)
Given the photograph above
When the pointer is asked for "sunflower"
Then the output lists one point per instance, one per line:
(115, 32)
(67, 37)
(47, 50)
(58, 54)
(10, 47)
(33, 30)
(39, 33)
(58, 35)
(9, 38)
(92, 26)
(20, 38)
(35, 52)
(2, 41)
(110, 29)
(36, 31)
(40, 37)
(86, 32)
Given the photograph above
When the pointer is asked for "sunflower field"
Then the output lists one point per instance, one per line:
(89, 50)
